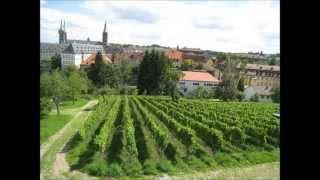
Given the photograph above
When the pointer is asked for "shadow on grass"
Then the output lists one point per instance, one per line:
(87, 155)
(116, 145)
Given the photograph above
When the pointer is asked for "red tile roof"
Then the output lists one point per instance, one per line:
(174, 55)
(92, 58)
(197, 76)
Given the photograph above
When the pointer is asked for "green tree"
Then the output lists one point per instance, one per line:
(187, 65)
(272, 61)
(276, 95)
(95, 73)
(45, 106)
(143, 73)
(240, 86)
(231, 75)
(199, 66)
(221, 57)
(56, 61)
(76, 85)
(53, 86)
(45, 66)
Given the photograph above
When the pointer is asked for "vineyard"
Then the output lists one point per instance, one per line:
(135, 135)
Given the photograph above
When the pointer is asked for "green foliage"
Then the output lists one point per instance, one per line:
(195, 163)
(221, 56)
(45, 106)
(53, 86)
(165, 166)
(50, 124)
(56, 61)
(231, 80)
(45, 66)
(276, 95)
(166, 136)
(199, 66)
(187, 65)
(76, 84)
(157, 75)
(272, 61)
(255, 98)
(201, 93)
(150, 167)
(240, 86)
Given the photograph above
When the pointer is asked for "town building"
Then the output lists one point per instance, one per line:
(106, 58)
(191, 80)
(73, 51)
(178, 55)
(260, 80)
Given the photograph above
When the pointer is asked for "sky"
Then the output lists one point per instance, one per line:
(227, 26)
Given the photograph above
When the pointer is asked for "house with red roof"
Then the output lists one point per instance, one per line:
(191, 80)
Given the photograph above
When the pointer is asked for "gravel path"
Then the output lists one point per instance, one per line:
(46, 145)
(51, 155)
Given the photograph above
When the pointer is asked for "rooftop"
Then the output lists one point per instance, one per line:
(262, 67)
(197, 76)
(92, 58)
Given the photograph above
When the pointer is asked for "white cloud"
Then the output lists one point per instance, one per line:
(221, 26)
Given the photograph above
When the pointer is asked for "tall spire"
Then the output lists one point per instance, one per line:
(64, 25)
(61, 24)
(105, 26)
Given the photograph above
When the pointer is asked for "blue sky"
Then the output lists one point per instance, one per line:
(229, 26)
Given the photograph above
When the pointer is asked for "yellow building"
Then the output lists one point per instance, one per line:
(262, 75)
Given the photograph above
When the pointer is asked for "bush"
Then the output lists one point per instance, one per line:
(194, 162)
(97, 168)
(149, 168)
(165, 166)
(225, 160)
(114, 170)
(132, 167)
(45, 106)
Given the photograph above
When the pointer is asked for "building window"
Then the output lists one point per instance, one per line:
(182, 83)
(195, 84)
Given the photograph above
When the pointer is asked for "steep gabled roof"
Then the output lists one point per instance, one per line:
(76, 48)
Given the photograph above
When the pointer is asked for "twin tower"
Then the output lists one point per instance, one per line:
(63, 34)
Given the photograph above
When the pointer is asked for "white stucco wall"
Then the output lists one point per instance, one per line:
(187, 86)
(78, 58)
(67, 59)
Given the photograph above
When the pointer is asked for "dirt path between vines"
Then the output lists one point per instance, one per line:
(46, 145)
(51, 155)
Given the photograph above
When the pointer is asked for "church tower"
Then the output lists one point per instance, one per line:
(62, 33)
(105, 35)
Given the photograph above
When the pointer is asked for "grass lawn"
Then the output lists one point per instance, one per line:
(51, 124)
(78, 103)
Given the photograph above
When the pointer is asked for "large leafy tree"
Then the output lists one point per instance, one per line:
(272, 61)
(95, 71)
(144, 71)
(231, 75)
(156, 74)
(76, 85)
(240, 86)
(56, 61)
(53, 86)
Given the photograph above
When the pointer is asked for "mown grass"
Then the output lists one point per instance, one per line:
(77, 104)
(51, 124)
